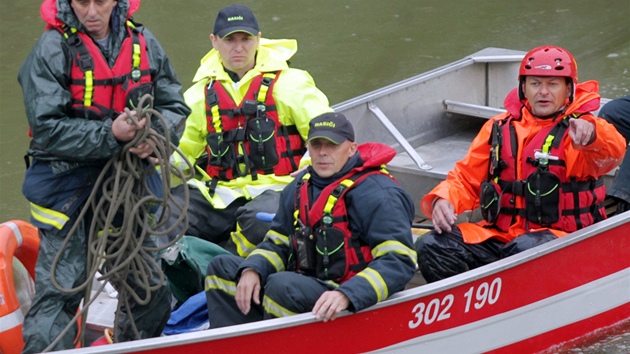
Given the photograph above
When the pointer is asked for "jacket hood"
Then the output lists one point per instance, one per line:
(59, 12)
(272, 55)
(375, 154)
(586, 100)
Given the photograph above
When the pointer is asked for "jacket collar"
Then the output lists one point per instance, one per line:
(272, 55)
(56, 13)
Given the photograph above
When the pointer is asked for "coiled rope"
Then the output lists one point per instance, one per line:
(115, 249)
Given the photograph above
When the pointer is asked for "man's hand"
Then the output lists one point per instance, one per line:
(582, 132)
(125, 130)
(330, 304)
(144, 149)
(443, 215)
(248, 289)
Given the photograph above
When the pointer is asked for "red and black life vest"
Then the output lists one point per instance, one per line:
(98, 91)
(248, 139)
(552, 199)
(323, 245)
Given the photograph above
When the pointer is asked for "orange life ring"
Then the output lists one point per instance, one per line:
(20, 239)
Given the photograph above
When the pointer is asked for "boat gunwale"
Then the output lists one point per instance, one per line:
(481, 56)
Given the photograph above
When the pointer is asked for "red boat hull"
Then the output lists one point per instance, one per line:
(527, 303)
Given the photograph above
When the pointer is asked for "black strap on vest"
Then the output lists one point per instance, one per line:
(496, 164)
(80, 53)
(286, 131)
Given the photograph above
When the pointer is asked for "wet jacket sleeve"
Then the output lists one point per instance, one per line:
(599, 157)
(168, 98)
(381, 213)
(44, 78)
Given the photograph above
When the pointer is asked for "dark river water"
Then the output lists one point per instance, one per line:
(350, 47)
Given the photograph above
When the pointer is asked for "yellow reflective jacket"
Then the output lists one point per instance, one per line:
(297, 99)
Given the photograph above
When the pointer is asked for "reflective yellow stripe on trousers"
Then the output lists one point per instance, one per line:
(48, 216)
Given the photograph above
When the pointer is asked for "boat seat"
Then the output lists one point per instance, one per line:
(472, 110)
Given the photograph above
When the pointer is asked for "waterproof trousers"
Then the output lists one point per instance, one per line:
(443, 255)
(283, 294)
(53, 309)
(617, 112)
(236, 227)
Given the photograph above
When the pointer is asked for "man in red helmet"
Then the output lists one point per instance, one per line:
(534, 171)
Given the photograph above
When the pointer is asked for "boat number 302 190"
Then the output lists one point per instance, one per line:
(439, 309)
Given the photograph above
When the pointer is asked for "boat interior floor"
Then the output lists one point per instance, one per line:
(440, 154)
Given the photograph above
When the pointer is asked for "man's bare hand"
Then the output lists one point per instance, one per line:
(582, 132)
(443, 215)
(125, 130)
(330, 304)
(248, 290)
(144, 149)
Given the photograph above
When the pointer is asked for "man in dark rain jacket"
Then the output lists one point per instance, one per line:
(347, 246)
(617, 112)
(74, 109)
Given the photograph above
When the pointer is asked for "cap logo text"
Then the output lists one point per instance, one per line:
(235, 18)
(324, 124)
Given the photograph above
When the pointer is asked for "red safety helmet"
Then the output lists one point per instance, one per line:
(547, 61)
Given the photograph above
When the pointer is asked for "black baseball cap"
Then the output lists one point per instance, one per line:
(331, 126)
(235, 18)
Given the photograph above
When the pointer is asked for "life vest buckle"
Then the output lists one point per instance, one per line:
(212, 98)
(518, 187)
(249, 108)
(85, 63)
(266, 80)
(136, 74)
(73, 40)
(544, 157)
(327, 220)
(261, 109)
